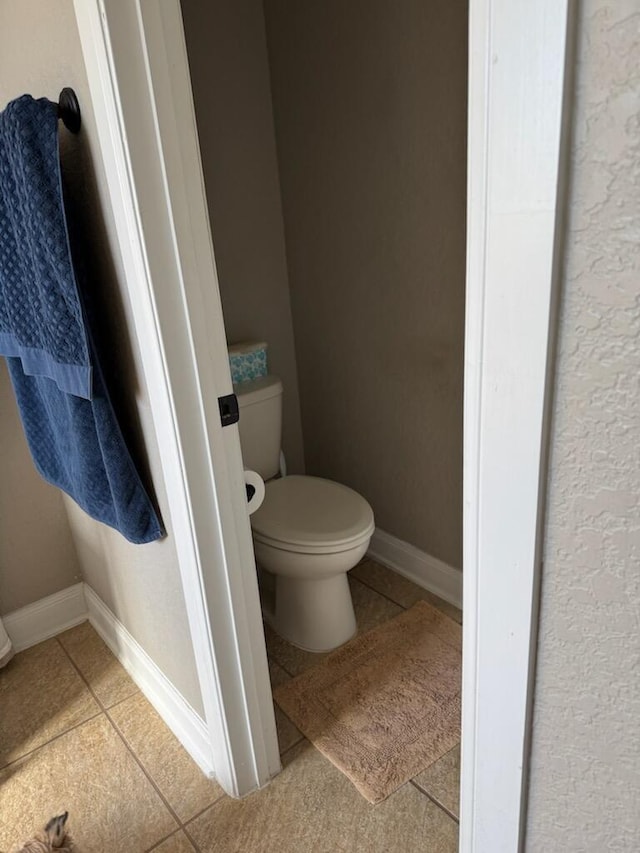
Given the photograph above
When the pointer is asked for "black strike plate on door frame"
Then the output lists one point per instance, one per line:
(229, 411)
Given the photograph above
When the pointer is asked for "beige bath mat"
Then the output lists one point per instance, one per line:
(387, 704)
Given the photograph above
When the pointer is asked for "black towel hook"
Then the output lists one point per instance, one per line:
(69, 109)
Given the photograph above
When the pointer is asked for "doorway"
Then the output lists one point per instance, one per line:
(512, 221)
(334, 156)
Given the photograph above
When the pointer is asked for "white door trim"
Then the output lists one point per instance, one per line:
(517, 55)
(141, 96)
(136, 62)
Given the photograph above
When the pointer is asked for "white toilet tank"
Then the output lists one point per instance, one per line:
(260, 424)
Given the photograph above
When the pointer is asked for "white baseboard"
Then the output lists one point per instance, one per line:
(179, 716)
(46, 618)
(417, 566)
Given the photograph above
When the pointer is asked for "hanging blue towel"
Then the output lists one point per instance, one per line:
(71, 427)
(40, 314)
(77, 445)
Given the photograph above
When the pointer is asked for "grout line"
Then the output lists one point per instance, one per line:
(382, 594)
(295, 743)
(270, 654)
(169, 807)
(293, 746)
(144, 769)
(201, 812)
(81, 674)
(222, 796)
(162, 840)
(40, 746)
(434, 800)
(128, 747)
(275, 705)
(188, 834)
(425, 793)
(182, 830)
(290, 674)
(137, 692)
(433, 598)
(104, 708)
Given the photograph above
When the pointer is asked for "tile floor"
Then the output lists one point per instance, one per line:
(77, 734)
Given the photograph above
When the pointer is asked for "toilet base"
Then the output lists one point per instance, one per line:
(315, 615)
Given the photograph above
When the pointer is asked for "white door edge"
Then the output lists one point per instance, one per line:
(141, 96)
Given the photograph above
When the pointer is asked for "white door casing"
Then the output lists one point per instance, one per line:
(517, 55)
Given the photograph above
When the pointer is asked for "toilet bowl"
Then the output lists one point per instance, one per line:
(308, 532)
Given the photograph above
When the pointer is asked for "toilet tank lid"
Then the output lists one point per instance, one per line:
(257, 390)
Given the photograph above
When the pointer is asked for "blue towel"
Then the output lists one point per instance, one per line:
(77, 445)
(75, 442)
(40, 313)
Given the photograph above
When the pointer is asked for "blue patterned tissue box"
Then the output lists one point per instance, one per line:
(247, 361)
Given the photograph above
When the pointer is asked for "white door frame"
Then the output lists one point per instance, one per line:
(517, 58)
(138, 75)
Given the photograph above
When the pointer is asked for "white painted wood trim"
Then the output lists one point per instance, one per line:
(424, 570)
(47, 617)
(138, 76)
(516, 82)
(185, 723)
(247, 694)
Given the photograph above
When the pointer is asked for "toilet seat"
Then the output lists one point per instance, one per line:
(311, 515)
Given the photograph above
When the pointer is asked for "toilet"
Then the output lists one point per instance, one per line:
(307, 533)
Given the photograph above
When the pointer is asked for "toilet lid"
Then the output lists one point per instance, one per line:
(310, 511)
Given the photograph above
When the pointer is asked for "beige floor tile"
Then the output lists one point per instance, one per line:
(177, 843)
(181, 781)
(288, 734)
(107, 677)
(89, 772)
(291, 658)
(371, 609)
(312, 806)
(442, 780)
(277, 675)
(399, 589)
(41, 696)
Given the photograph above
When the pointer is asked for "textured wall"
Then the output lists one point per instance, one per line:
(370, 109)
(585, 771)
(227, 49)
(40, 52)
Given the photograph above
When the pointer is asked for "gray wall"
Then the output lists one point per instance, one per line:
(585, 777)
(37, 555)
(227, 51)
(370, 109)
(39, 53)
